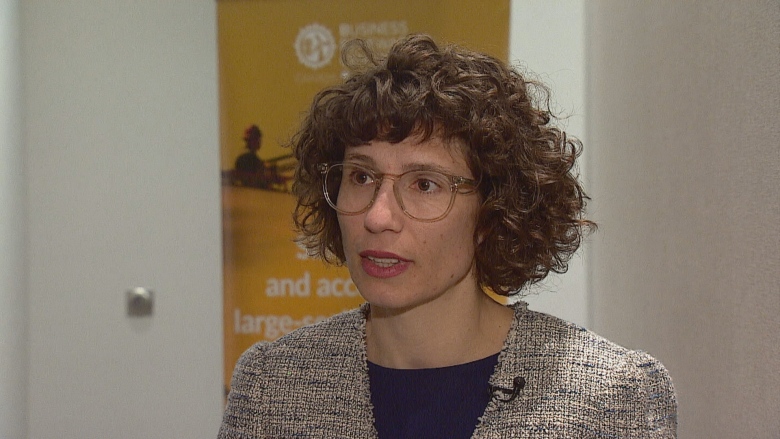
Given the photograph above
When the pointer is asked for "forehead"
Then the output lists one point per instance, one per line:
(411, 153)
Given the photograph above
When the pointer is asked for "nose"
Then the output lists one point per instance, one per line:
(385, 213)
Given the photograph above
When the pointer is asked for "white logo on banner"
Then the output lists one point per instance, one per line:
(315, 46)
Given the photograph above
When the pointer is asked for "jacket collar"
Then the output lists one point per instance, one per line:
(509, 366)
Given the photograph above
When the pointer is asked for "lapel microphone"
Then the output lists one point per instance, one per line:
(509, 394)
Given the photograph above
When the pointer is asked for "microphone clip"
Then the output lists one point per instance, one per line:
(518, 384)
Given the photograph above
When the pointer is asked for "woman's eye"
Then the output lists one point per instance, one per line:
(426, 185)
(361, 177)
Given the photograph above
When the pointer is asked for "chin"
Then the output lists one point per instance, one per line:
(393, 303)
(385, 297)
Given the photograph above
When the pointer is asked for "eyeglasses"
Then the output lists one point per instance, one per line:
(423, 195)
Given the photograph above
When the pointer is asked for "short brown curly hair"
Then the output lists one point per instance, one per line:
(531, 217)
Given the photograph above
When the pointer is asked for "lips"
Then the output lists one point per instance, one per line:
(383, 265)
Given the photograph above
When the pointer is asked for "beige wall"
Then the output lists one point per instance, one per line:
(683, 125)
(13, 304)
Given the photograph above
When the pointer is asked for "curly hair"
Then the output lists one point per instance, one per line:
(531, 217)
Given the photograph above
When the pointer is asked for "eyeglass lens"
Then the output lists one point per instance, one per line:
(423, 195)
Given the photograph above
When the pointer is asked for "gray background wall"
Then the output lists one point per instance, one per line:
(683, 105)
(119, 188)
(13, 303)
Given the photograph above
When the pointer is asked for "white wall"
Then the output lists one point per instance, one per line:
(13, 309)
(121, 135)
(547, 38)
(684, 127)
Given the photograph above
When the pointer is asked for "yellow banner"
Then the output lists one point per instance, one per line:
(274, 55)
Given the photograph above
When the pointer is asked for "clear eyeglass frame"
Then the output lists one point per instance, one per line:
(457, 184)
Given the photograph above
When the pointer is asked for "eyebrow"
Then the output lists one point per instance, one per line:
(368, 161)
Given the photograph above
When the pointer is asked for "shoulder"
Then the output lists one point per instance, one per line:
(537, 333)
(654, 397)
(615, 388)
(299, 376)
(340, 333)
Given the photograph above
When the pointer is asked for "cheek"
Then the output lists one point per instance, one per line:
(452, 245)
(350, 227)
(346, 225)
(345, 237)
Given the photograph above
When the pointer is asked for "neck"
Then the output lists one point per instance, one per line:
(438, 333)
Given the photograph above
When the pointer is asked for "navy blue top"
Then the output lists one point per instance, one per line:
(443, 402)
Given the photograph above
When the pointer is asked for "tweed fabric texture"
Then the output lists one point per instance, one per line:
(313, 383)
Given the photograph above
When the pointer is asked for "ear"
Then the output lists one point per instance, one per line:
(479, 236)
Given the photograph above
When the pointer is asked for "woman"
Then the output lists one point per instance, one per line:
(435, 176)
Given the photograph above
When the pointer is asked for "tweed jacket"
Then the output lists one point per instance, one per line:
(313, 383)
